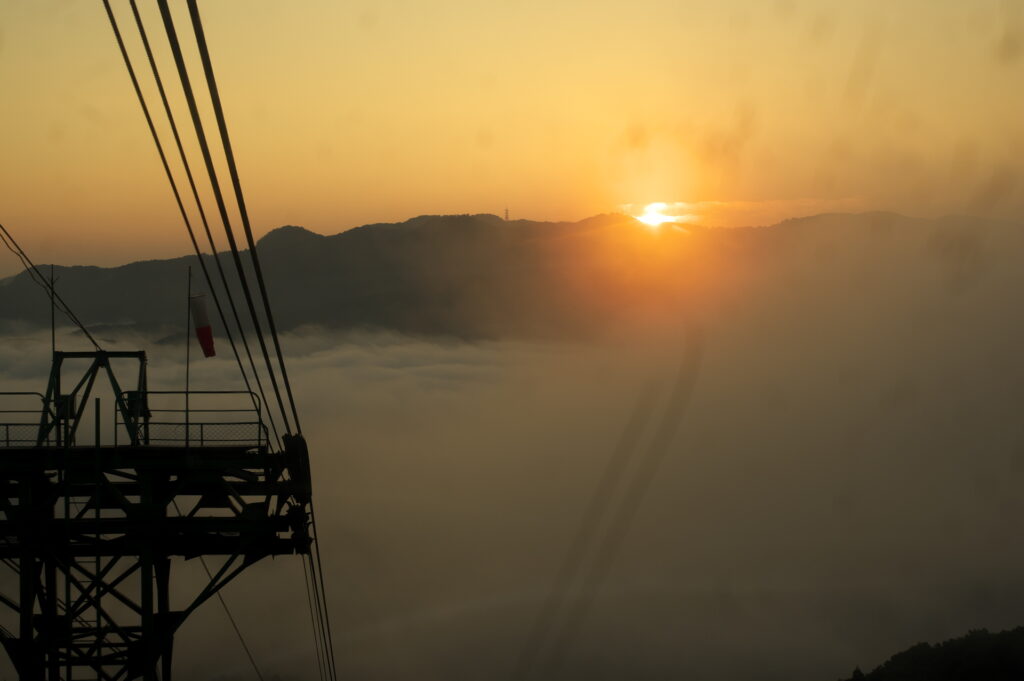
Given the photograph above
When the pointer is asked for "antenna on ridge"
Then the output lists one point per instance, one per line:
(506, 213)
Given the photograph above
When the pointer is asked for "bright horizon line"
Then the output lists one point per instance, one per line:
(624, 212)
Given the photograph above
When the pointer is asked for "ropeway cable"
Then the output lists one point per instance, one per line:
(199, 206)
(218, 110)
(227, 610)
(204, 146)
(206, 228)
(317, 642)
(318, 577)
(329, 638)
(317, 581)
(177, 196)
(39, 279)
(329, 672)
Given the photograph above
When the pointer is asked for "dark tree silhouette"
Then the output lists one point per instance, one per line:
(977, 656)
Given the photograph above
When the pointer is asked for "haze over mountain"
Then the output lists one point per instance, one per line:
(845, 483)
(478, 276)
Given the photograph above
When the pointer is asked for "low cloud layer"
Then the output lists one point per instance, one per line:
(813, 514)
(844, 484)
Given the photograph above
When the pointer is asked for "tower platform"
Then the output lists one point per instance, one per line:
(91, 532)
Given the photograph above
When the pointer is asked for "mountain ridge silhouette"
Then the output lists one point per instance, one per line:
(478, 276)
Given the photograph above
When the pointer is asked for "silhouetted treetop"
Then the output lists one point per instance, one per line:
(977, 656)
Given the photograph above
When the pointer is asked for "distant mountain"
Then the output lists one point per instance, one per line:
(978, 656)
(478, 276)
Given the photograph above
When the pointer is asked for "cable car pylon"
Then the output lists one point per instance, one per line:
(93, 530)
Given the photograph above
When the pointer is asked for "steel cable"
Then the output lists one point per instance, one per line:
(204, 146)
(202, 214)
(36, 276)
(218, 110)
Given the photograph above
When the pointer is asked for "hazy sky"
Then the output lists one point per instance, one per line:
(345, 113)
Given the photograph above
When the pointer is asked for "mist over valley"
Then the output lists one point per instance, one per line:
(844, 482)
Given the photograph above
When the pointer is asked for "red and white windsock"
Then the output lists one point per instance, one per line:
(204, 332)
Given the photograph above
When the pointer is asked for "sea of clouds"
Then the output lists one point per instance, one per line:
(833, 493)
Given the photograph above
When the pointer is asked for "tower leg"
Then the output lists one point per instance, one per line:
(146, 603)
(163, 618)
(28, 662)
(49, 633)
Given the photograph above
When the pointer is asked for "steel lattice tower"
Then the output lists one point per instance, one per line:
(92, 531)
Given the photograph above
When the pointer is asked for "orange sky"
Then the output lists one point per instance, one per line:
(356, 112)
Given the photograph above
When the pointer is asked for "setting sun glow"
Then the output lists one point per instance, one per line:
(653, 215)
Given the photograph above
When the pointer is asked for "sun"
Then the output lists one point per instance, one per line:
(653, 215)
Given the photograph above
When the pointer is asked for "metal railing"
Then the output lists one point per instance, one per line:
(20, 427)
(193, 423)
